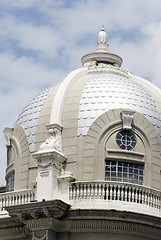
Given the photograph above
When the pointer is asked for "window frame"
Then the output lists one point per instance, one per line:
(124, 171)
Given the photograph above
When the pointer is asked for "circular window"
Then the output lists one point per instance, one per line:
(126, 140)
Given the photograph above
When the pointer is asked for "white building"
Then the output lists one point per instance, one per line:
(84, 158)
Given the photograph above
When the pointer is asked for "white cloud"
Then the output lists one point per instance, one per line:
(19, 4)
(28, 36)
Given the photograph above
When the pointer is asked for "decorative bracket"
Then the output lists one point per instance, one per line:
(127, 118)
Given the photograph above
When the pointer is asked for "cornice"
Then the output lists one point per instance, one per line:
(111, 226)
(37, 210)
(56, 216)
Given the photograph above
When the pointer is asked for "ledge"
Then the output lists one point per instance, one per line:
(36, 210)
(48, 154)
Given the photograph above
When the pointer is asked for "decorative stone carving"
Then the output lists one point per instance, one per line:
(45, 237)
(47, 212)
(53, 141)
(44, 168)
(34, 214)
(127, 118)
(97, 67)
(8, 134)
(20, 217)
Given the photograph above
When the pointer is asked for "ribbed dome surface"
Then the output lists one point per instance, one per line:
(30, 115)
(104, 92)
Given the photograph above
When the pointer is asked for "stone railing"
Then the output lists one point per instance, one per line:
(15, 198)
(115, 191)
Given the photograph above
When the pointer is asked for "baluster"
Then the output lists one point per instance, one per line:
(85, 191)
(157, 202)
(27, 197)
(21, 198)
(125, 189)
(114, 192)
(139, 196)
(9, 200)
(74, 191)
(96, 191)
(118, 193)
(6, 201)
(122, 193)
(102, 193)
(133, 194)
(136, 196)
(148, 198)
(70, 192)
(81, 191)
(32, 196)
(2, 203)
(154, 200)
(16, 199)
(77, 192)
(88, 190)
(108, 191)
(143, 197)
(130, 194)
(12, 201)
(111, 192)
(92, 190)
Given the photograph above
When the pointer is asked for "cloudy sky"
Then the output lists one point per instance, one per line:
(43, 40)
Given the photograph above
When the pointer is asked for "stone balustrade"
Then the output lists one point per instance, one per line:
(115, 191)
(18, 197)
(84, 193)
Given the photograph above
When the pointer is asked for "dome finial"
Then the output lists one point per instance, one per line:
(103, 28)
(102, 41)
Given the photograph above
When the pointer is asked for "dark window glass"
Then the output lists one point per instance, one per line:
(124, 171)
(126, 140)
(9, 154)
(10, 182)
